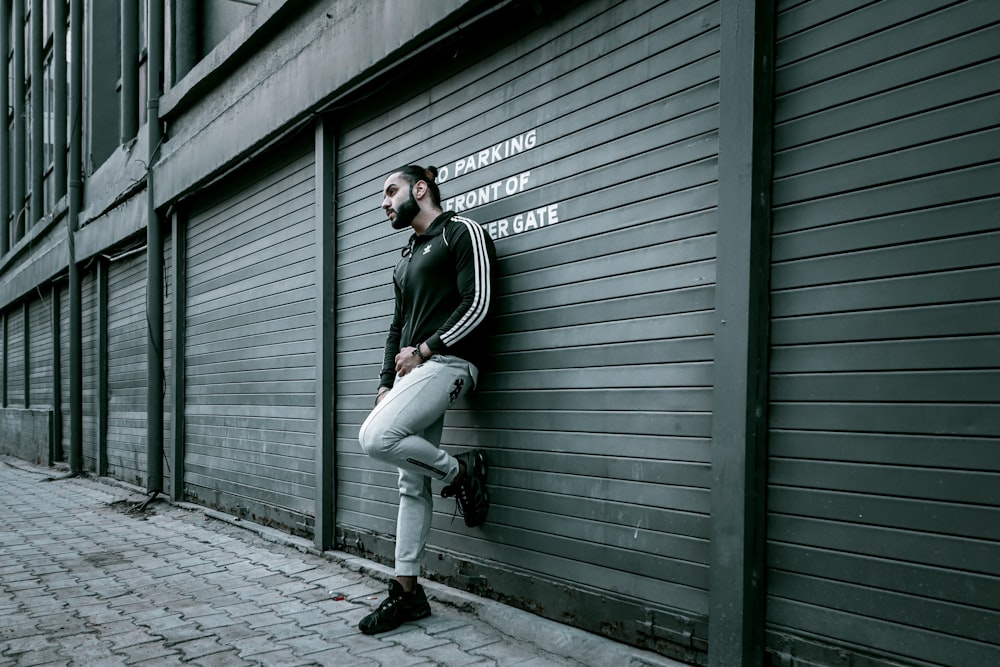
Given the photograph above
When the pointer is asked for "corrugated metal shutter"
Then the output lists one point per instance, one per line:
(251, 343)
(15, 356)
(40, 350)
(90, 356)
(884, 471)
(597, 413)
(127, 370)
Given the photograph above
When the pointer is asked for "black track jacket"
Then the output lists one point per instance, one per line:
(445, 285)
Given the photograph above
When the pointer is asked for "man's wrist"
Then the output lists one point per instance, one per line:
(418, 351)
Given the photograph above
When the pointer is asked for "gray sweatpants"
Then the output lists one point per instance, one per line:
(404, 430)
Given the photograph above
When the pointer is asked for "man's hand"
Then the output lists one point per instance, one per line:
(406, 361)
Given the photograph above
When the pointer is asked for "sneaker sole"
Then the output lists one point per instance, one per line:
(479, 467)
(480, 471)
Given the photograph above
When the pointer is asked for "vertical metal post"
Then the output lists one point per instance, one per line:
(326, 252)
(26, 343)
(59, 139)
(154, 346)
(6, 354)
(129, 70)
(56, 453)
(5, 203)
(37, 116)
(178, 334)
(154, 259)
(75, 184)
(102, 366)
(18, 168)
(737, 567)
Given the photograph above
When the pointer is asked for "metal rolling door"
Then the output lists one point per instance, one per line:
(127, 371)
(15, 356)
(90, 357)
(250, 418)
(40, 349)
(884, 446)
(596, 412)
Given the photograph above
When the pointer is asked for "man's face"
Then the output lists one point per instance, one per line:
(399, 203)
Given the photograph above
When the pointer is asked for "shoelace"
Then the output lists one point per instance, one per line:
(460, 500)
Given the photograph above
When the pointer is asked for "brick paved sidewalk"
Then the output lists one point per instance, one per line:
(86, 578)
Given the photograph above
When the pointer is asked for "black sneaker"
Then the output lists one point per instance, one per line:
(470, 492)
(396, 609)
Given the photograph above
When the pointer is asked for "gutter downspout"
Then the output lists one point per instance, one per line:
(154, 261)
(75, 170)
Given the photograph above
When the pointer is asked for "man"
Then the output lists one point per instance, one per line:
(444, 287)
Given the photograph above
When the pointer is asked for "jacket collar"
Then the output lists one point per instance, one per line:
(435, 228)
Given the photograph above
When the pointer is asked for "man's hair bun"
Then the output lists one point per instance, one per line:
(413, 173)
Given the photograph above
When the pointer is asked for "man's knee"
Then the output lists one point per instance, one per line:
(376, 442)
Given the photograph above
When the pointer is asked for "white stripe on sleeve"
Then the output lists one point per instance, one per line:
(477, 312)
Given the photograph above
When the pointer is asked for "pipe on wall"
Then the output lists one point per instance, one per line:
(75, 172)
(154, 260)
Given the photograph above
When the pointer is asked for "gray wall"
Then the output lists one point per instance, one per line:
(882, 496)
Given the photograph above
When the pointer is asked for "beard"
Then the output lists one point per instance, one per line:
(405, 214)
